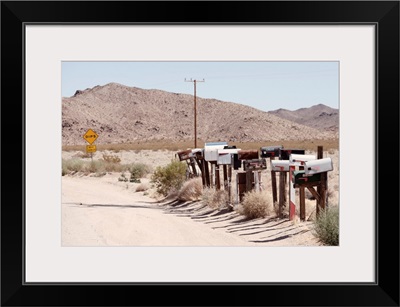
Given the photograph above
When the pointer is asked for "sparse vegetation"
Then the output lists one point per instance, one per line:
(111, 158)
(215, 199)
(326, 226)
(103, 166)
(331, 144)
(170, 178)
(138, 170)
(256, 204)
(192, 189)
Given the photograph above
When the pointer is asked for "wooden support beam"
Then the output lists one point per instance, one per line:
(314, 193)
(249, 181)
(282, 190)
(302, 204)
(273, 181)
(225, 177)
(217, 178)
(206, 173)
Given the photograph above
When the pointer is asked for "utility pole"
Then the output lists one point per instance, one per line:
(195, 109)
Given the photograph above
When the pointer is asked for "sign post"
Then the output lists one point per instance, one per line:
(90, 136)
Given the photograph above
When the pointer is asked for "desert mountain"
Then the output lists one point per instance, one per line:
(319, 116)
(123, 114)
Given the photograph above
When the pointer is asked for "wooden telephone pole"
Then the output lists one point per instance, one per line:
(195, 109)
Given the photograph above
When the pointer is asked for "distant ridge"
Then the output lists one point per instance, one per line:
(123, 114)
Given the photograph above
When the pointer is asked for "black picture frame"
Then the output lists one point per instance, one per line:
(383, 14)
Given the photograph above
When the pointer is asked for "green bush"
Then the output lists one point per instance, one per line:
(138, 170)
(169, 178)
(326, 226)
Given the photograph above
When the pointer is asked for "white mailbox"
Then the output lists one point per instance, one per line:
(318, 166)
(225, 156)
(280, 165)
(300, 159)
(211, 150)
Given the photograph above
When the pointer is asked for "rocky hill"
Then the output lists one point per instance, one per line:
(122, 114)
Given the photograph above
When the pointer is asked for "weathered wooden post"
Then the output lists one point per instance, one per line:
(318, 170)
(226, 159)
(295, 160)
(314, 174)
(281, 166)
(271, 152)
(211, 155)
(320, 154)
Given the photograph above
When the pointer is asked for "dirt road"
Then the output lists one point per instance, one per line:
(104, 212)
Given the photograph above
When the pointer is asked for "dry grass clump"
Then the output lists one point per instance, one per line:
(326, 226)
(215, 199)
(192, 189)
(256, 204)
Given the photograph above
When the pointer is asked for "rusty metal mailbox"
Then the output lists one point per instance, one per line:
(299, 178)
(280, 165)
(318, 166)
(185, 154)
(225, 156)
(270, 151)
(255, 164)
(211, 150)
(247, 154)
(284, 154)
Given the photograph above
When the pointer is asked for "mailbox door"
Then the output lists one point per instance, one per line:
(301, 178)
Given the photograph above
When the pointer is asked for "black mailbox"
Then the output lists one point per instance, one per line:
(270, 151)
(284, 154)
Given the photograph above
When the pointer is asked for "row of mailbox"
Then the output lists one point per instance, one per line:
(222, 154)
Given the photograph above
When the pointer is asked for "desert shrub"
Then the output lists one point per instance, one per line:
(256, 204)
(192, 189)
(138, 170)
(326, 226)
(169, 178)
(111, 158)
(215, 199)
(72, 165)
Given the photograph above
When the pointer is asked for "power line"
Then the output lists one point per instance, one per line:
(195, 108)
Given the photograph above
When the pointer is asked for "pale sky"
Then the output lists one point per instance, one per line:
(263, 85)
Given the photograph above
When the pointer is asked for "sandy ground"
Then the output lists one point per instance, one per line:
(102, 211)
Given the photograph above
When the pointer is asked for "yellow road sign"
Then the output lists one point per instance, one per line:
(91, 148)
(90, 136)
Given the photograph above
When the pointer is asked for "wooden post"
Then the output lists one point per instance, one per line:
(302, 204)
(249, 180)
(256, 181)
(203, 174)
(292, 194)
(284, 187)
(322, 192)
(193, 165)
(225, 177)
(206, 173)
(217, 177)
(273, 179)
(229, 180)
(282, 191)
(320, 154)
